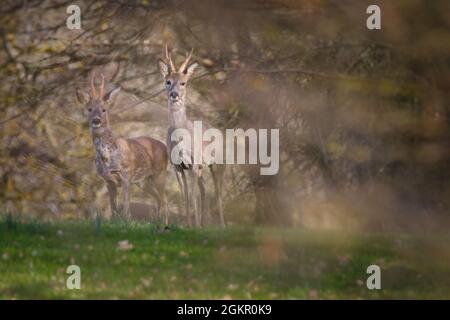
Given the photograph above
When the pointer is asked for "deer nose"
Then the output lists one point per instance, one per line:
(96, 121)
(174, 95)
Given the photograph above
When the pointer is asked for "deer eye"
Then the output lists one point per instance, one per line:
(183, 83)
(90, 109)
(168, 82)
(104, 110)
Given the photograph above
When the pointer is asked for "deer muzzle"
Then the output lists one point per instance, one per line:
(96, 123)
(174, 96)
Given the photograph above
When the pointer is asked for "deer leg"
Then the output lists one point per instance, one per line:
(150, 188)
(201, 187)
(186, 196)
(112, 192)
(160, 185)
(165, 206)
(194, 181)
(217, 175)
(126, 199)
(180, 185)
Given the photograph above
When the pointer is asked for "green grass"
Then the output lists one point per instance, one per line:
(237, 263)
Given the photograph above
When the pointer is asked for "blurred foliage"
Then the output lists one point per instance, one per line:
(363, 115)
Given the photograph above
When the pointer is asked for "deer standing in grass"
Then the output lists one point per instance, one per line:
(175, 82)
(121, 162)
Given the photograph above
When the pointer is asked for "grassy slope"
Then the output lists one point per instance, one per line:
(235, 263)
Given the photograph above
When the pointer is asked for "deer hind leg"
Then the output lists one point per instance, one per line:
(151, 189)
(186, 196)
(180, 185)
(112, 192)
(217, 175)
(160, 186)
(201, 187)
(194, 181)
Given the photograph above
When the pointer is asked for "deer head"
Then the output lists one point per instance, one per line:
(175, 81)
(97, 105)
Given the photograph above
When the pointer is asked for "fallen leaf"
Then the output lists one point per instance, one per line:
(124, 245)
(233, 286)
(312, 294)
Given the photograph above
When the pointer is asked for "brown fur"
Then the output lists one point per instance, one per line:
(121, 161)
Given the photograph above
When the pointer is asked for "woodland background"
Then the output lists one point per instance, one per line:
(363, 114)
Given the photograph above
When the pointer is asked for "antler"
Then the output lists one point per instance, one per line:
(169, 59)
(102, 86)
(185, 63)
(94, 93)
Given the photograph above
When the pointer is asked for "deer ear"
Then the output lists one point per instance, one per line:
(111, 94)
(82, 97)
(190, 68)
(163, 67)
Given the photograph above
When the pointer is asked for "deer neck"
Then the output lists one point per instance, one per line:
(177, 114)
(103, 140)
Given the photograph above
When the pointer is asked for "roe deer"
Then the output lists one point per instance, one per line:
(120, 161)
(175, 82)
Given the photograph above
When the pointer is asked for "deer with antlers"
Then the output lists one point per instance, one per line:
(175, 82)
(119, 161)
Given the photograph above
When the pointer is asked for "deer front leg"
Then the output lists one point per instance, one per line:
(126, 199)
(112, 192)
